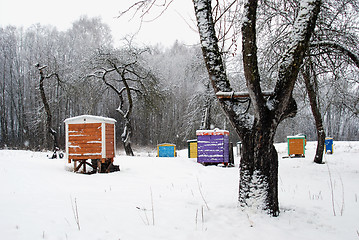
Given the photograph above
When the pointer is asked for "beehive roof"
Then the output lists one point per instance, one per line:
(212, 132)
(89, 119)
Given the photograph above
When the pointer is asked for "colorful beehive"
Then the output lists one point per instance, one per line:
(90, 137)
(329, 145)
(212, 146)
(192, 148)
(296, 145)
(166, 150)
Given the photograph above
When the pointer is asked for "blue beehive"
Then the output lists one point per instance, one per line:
(166, 150)
(329, 145)
(212, 146)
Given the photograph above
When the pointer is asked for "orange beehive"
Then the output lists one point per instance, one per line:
(90, 137)
(296, 145)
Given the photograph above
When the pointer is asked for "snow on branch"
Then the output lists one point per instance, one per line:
(301, 33)
(230, 95)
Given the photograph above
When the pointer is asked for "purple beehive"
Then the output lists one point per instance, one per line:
(212, 146)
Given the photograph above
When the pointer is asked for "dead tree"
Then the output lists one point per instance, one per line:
(49, 127)
(124, 92)
(124, 78)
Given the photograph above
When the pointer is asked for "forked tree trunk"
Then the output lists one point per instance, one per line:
(259, 161)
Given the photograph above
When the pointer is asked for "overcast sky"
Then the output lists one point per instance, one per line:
(172, 25)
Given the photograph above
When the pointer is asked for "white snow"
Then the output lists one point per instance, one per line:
(176, 198)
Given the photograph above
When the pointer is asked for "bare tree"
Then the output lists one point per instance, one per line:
(127, 78)
(49, 127)
(311, 84)
(335, 42)
(259, 160)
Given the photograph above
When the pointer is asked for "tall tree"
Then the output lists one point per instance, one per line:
(311, 84)
(334, 43)
(259, 160)
(49, 115)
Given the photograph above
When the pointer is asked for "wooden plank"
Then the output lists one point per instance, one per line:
(85, 131)
(84, 128)
(85, 149)
(80, 126)
(84, 138)
(110, 142)
(86, 135)
(85, 157)
(229, 95)
(82, 141)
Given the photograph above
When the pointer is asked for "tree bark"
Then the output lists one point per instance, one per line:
(126, 138)
(312, 94)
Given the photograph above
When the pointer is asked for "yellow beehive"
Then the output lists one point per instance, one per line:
(192, 148)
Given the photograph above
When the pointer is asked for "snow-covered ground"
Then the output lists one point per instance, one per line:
(176, 198)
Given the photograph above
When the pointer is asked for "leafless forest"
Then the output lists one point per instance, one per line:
(169, 87)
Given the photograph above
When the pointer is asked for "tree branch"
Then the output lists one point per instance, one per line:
(250, 59)
(336, 46)
(289, 68)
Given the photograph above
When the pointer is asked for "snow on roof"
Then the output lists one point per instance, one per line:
(297, 136)
(166, 144)
(212, 132)
(89, 119)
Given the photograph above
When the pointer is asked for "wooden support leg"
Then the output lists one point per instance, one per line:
(84, 163)
(109, 167)
(78, 167)
(99, 166)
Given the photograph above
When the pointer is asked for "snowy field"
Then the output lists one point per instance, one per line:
(176, 198)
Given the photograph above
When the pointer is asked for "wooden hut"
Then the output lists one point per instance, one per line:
(166, 150)
(296, 145)
(212, 146)
(90, 137)
(192, 148)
